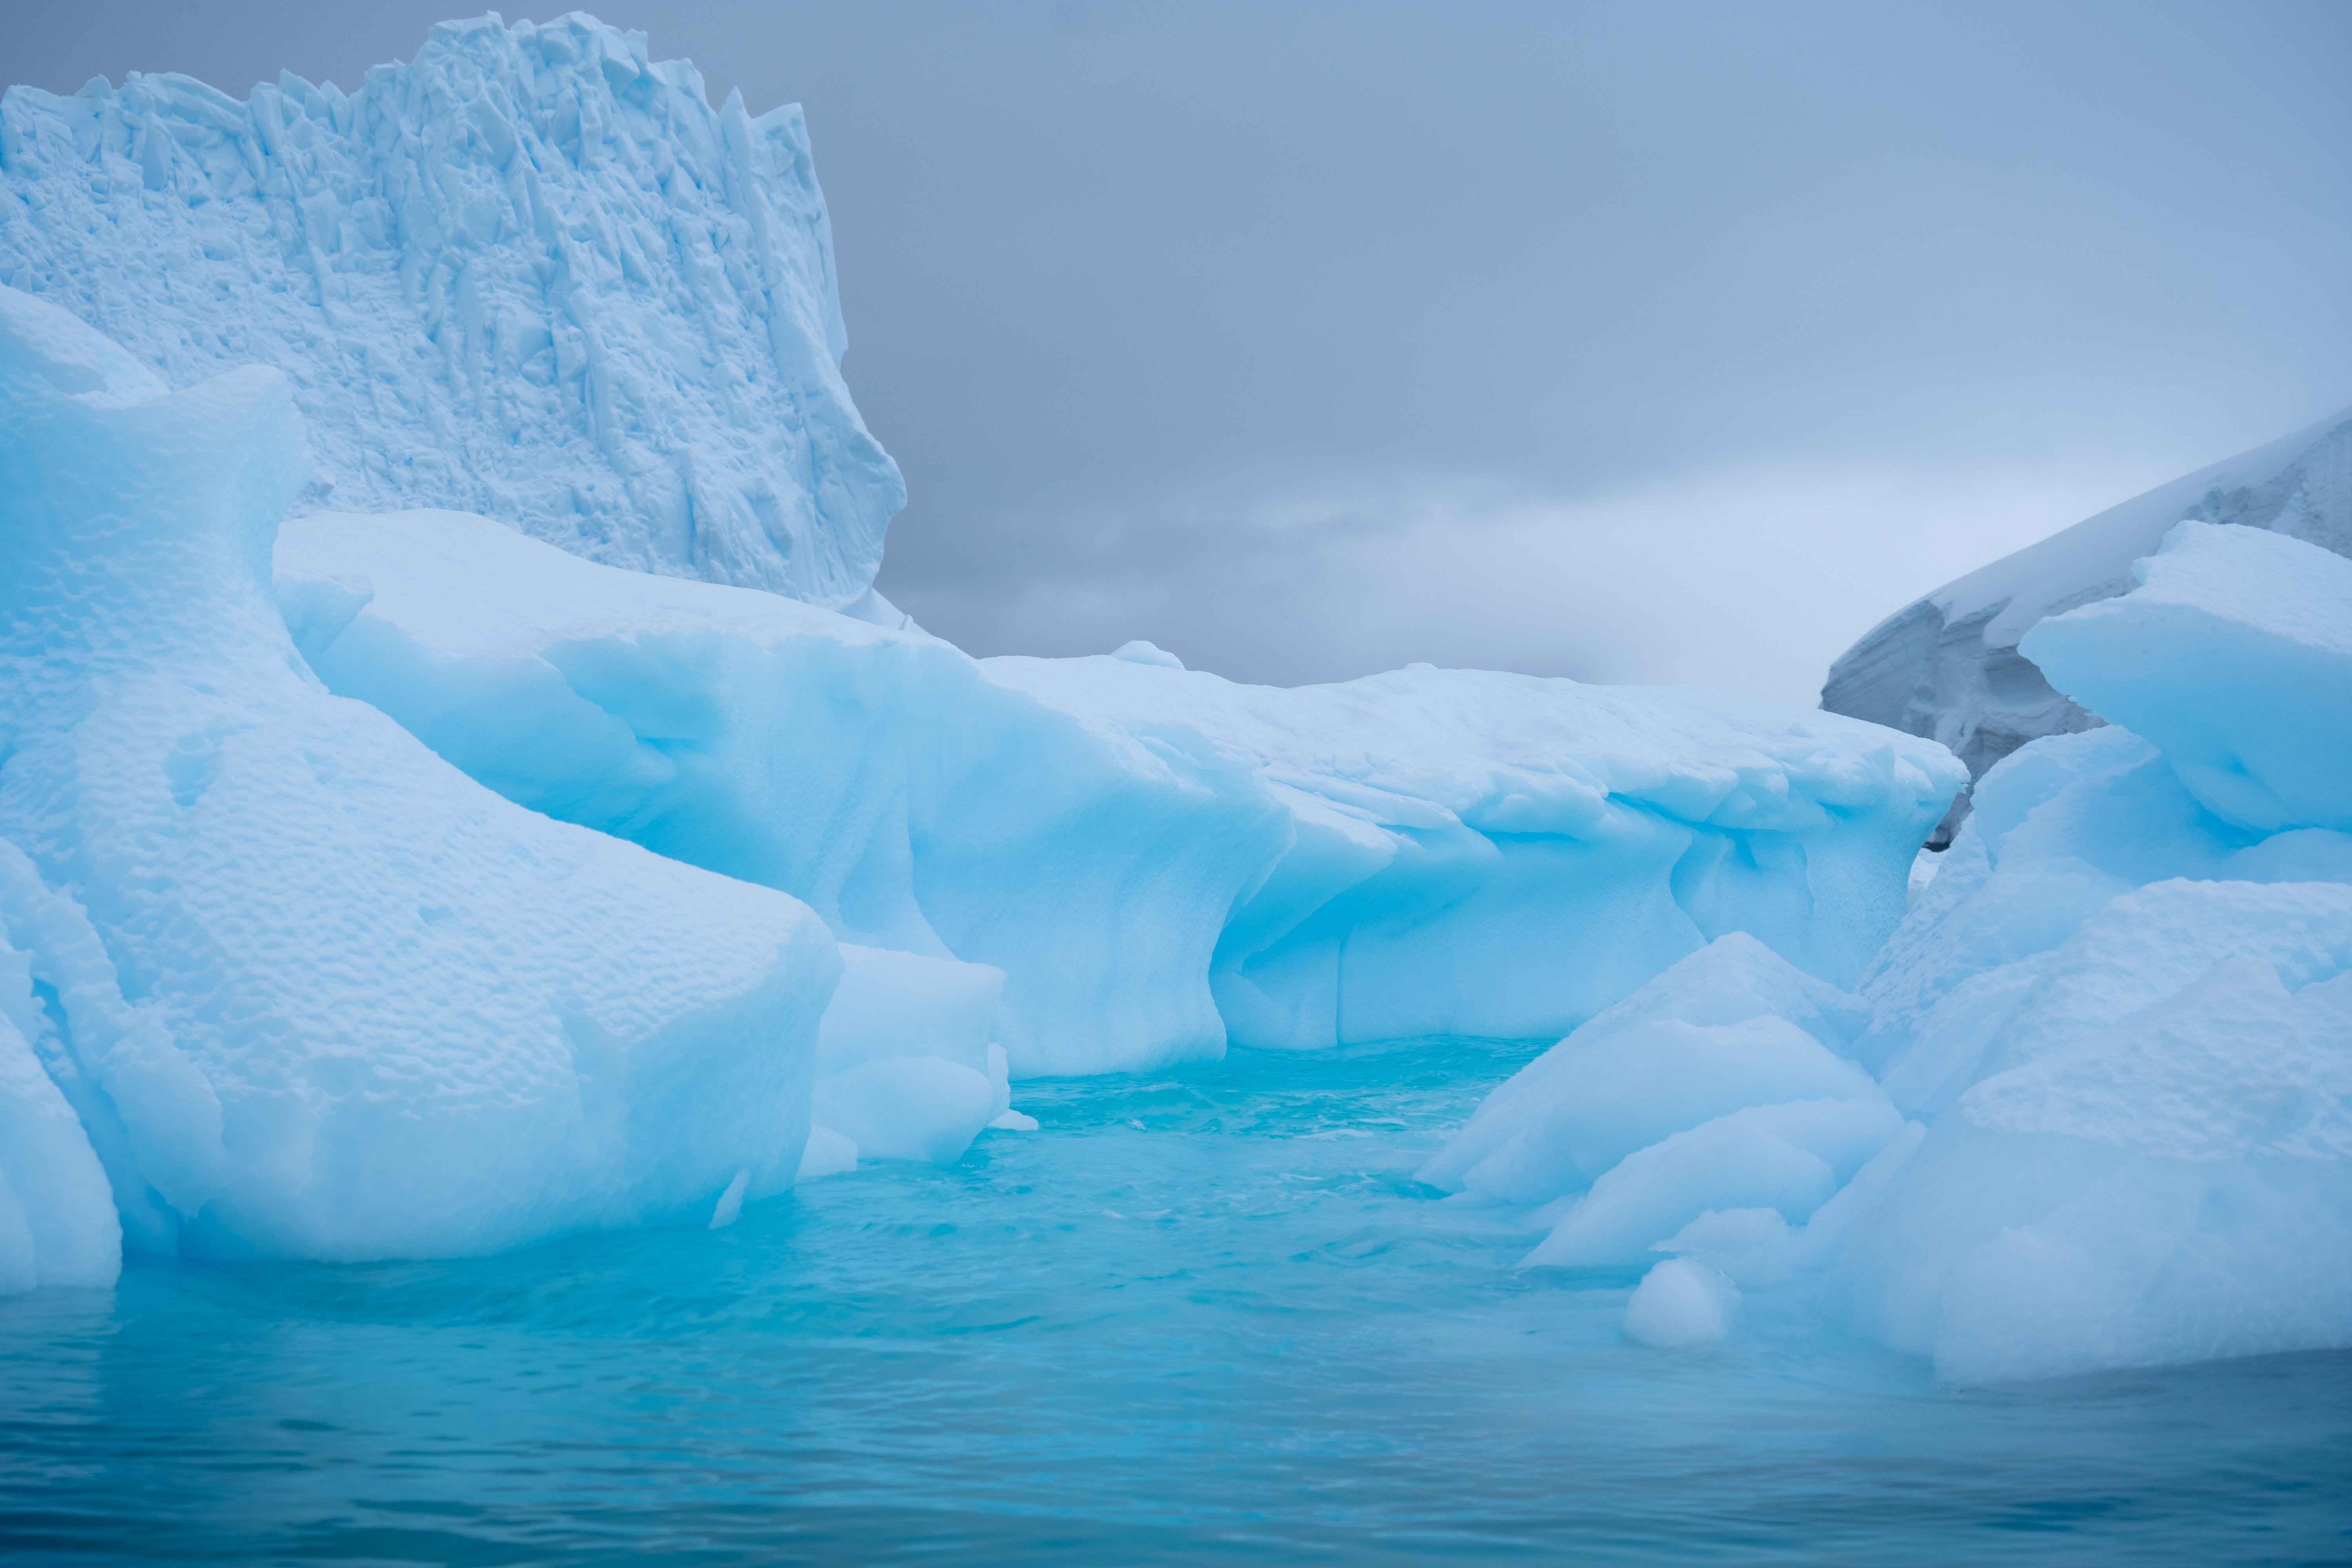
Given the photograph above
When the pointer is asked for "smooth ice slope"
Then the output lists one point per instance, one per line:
(2118, 1020)
(1721, 1086)
(530, 273)
(2234, 657)
(1157, 858)
(310, 990)
(1950, 665)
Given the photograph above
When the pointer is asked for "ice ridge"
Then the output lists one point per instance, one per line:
(529, 273)
(1160, 861)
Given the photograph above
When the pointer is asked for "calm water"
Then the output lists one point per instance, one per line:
(1205, 1316)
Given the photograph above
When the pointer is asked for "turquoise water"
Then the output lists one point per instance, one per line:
(1197, 1317)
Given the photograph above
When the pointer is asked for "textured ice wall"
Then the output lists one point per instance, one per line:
(307, 989)
(529, 273)
(2118, 1023)
(1158, 859)
(1949, 666)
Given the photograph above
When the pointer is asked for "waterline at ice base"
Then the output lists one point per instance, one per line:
(534, 1001)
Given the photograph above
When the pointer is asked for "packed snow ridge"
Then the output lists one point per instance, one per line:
(1949, 666)
(529, 274)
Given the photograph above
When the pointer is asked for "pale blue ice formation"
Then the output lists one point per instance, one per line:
(308, 989)
(1952, 664)
(2092, 1106)
(1158, 860)
(529, 273)
(423, 861)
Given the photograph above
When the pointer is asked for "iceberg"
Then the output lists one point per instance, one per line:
(307, 989)
(529, 273)
(1952, 665)
(2091, 1105)
(1158, 860)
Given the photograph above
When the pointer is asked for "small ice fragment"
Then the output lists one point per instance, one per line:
(828, 1153)
(1681, 1302)
(1142, 652)
(730, 1201)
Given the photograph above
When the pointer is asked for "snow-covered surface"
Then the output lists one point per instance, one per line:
(2234, 657)
(308, 989)
(529, 273)
(2092, 1105)
(1949, 665)
(1158, 859)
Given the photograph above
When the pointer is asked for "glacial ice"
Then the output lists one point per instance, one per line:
(309, 989)
(2117, 1019)
(1952, 665)
(392, 881)
(2233, 657)
(529, 273)
(1158, 859)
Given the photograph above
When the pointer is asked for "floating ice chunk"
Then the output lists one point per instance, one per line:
(729, 1207)
(1142, 652)
(2234, 657)
(906, 1004)
(908, 1107)
(1682, 1303)
(532, 273)
(827, 1153)
(1787, 1158)
(319, 993)
(906, 1069)
(1732, 1026)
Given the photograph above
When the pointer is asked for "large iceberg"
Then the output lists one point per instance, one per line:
(305, 988)
(530, 273)
(1950, 665)
(2092, 1105)
(1158, 859)
(276, 979)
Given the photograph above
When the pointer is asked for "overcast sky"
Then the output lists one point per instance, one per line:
(1637, 343)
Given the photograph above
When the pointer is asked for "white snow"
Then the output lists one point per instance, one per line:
(529, 273)
(2234, 657)
(1949, 666)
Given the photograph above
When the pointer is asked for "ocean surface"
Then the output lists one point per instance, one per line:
(1203, 1316)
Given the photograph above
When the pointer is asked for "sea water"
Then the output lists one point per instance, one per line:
(1198, 1316)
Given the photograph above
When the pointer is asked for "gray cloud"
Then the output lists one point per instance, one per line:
(1655, 343)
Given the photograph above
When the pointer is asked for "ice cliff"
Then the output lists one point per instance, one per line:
(2092, 1104)
(530, 274)
(1949, 667)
